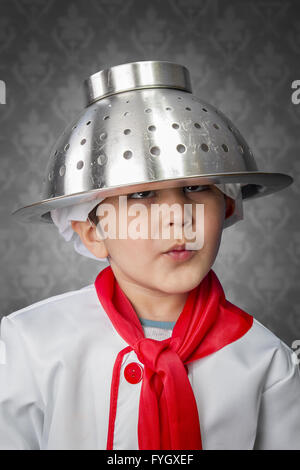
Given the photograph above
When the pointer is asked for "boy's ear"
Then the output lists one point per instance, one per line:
(78, 226)
(230, 206)
(89, 237)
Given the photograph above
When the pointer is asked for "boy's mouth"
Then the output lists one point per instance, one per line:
(179, 253)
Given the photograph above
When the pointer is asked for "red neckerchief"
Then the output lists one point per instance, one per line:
(168, 415)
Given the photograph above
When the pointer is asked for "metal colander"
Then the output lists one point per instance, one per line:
(144, 129)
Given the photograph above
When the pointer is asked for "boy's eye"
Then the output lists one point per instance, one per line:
(146, 194)
(140, 195)
(192, 189)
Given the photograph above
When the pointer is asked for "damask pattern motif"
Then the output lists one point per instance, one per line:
(242, 56)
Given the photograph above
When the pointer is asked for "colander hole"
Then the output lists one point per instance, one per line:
(175, 125)
(55, 153)
(148, 110)
(204, 109)
(62, 170)
(230, 128)
(74, 127)
(168, 108)
(241, 149)
(216, 126)
(224, 147)
(105, 117)
(127, 131)
(204, 147)
(101, 160)
(188, 109)
(127, 101)
(88, 123)
(151, 128)
(155, 151)
(179, 97)
(79, 165)
(103, 136)
(197, 125)
(181, 148)
(125, 114)
(67, 146)
(127, 154)
(83, 141)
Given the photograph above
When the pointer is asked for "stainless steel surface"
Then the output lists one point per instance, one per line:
(136, 75)
(146, 138)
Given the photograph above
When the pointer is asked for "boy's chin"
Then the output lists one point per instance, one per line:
(179, 285)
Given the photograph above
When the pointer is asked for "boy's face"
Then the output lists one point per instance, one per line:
(144, 261)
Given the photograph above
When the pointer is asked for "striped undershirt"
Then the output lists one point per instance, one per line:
(158, 330)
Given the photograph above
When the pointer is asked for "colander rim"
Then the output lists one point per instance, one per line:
(254, 184)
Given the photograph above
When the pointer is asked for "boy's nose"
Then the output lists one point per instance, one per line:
(172, 196)
(176, 196)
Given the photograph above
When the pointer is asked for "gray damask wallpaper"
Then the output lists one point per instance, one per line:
(243, 57)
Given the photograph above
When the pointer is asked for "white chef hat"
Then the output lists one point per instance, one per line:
(62, 217)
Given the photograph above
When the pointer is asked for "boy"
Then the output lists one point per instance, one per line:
(152, 355)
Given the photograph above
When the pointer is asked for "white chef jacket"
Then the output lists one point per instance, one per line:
(56, 363)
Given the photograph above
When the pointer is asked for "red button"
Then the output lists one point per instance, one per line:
(133, 373)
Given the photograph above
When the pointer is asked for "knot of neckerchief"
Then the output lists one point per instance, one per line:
(168, 412)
